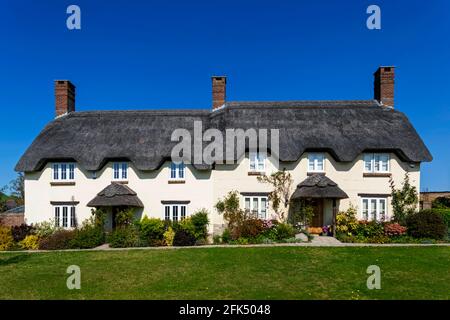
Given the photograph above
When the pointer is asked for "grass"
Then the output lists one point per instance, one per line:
(230, 273)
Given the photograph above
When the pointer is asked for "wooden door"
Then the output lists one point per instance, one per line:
(317, 220)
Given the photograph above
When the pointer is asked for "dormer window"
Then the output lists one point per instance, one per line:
(376, 162)
(63, 171)
(257, 162)
(316, 162)
(120, 171)
(177, 171)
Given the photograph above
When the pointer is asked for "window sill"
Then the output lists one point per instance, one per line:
(120, 181)
(310, 173)
(377, 174)
(62, 183)
(256, 173)
(176, 181)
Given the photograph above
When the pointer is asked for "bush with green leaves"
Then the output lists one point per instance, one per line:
(441, 203)
(124, 236)
(90, 235)
(125, 217)
(404, 200)
(152, 230)
(45, 228)
(58, 240)
(284, 231)
(226, 236)
(426, 224)
(200, 222)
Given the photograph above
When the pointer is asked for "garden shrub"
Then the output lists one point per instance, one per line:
(57, 241)
(20, 232)
(169, 236)
(441, 203)
(426, 224)
(152, 230)
(31, 242)
(284, 231)
(90, 235)
(346, 222)
(394, 229)
(125, 217)
(45, 228)
(200, 223)
(251, 228)
(6, 238)
(369, 229)
(183, 238)
(124, 236)
(217, 239)
(226, 236)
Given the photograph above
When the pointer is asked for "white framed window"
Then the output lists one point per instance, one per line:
(376, 162)
(257, 161)
(120, 171)
(257, 205)
(316, 162)
(65, 216)
(175, 212)
(63, 171)
(374, 209)
(177, 171)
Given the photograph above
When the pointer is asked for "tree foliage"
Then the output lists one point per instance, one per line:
(404, 200)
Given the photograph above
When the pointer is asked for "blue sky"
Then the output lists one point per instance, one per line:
(145, 55)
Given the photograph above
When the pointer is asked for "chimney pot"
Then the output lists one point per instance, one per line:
(219, 84)
(384, 85)
(64, 97)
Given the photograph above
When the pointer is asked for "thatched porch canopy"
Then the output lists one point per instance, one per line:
(318, 186)
(116, 194)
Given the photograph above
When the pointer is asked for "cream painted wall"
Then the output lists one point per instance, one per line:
(204, 188)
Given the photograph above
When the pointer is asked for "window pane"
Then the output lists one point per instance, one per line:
(377, 163)
(116, 171)
(181, 171)
(247, 204)
(173, 170)
(311, 163)
(183, 212)
(175, 213)
(73, 220)
(368, 162)
(263, 208)
(71, 171)
(252, 161)
(124, 170)
(384, 162)
(63, 171)
(319, 166)
(255, 208)
(55, 172)
(382, 209)
(167, 213)
(373, 209)
(365, 209)
(57, 216)
(64, 222)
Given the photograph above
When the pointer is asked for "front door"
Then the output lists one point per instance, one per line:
(317, 219)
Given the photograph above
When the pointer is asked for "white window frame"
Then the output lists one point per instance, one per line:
(376, 214)
(177, 171)
(63, 171)
(65, 216)
(257, 161)
(178, 210)
(314, 158)
(376, 165)
(121, 168)
(260, 213)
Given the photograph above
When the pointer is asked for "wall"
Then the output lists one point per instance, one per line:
(204, 188)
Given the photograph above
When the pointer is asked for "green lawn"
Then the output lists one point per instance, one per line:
(230, 273)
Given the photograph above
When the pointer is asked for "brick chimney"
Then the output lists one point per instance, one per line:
(384, 85)
(219, 86)
(64, 97)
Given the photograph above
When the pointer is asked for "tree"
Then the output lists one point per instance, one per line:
(279, 197)
(404, 200)
(16, 189)
(231, 210)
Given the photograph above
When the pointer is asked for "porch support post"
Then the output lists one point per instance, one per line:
(334, 217)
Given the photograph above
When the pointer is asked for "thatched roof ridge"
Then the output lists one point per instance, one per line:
(318, 186)
(116, 194)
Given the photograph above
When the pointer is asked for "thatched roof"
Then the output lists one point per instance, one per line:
(116, 194)
(318, 186)
(343, 128)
